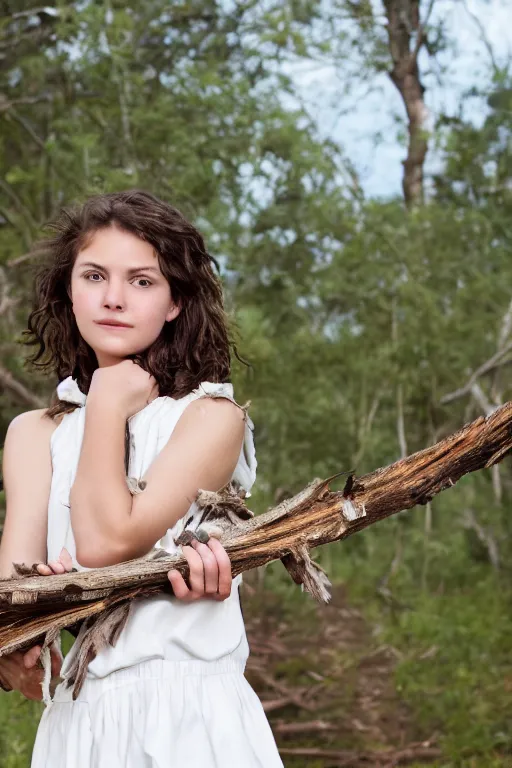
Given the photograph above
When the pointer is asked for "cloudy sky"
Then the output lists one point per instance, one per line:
(353, 121)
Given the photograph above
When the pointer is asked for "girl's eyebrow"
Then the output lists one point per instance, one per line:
(130, 271)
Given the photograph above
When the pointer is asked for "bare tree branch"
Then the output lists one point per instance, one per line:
(47, 10)
(484, 38)
(484, 537)
(489, 365)
(33, 606)
(5, 105)
(19, 390)
(413, 753)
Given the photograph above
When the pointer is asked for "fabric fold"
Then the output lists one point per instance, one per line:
(159, 715)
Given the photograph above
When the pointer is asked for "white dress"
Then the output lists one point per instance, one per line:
(172, 692)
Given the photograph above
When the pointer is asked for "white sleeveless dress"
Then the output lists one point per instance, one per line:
(171, 693)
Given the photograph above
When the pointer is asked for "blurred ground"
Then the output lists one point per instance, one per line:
(327, 685)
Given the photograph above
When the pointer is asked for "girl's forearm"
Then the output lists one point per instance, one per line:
(100, 502)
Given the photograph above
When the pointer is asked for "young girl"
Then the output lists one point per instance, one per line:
(147, 400)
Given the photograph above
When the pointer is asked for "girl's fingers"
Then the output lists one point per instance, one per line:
(224, 566)
(44, 569)
(63, 565)
(65, 559)
(211, 568)
(196, 569)
(56, 566)
(180, 589)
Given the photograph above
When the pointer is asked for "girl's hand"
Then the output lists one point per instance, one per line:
(210, 573)
(126, 385)
(19, 671)
(63, 564)
(209, 564)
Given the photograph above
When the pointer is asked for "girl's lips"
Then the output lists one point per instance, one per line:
(115, 327)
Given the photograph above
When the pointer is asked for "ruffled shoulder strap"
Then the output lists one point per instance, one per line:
(68, 391)
(245, 470)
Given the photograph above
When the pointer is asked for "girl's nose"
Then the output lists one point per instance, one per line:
(114, 295)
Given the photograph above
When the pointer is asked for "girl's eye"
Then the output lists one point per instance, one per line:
(97, 274)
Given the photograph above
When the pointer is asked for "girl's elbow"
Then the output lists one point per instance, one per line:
(99, 554)
(102, 551)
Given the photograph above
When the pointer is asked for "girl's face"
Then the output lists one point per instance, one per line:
(117, 277)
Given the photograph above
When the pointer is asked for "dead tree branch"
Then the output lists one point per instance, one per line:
(19, 390)
(384, 758)
(489, 365)
(33, 606)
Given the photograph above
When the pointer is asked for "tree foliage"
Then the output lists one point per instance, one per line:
(359, 320)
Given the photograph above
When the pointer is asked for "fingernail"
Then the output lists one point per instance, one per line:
(202, 536)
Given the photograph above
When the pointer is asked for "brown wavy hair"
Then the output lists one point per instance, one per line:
(192, 348)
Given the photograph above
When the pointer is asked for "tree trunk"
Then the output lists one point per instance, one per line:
(406, 37)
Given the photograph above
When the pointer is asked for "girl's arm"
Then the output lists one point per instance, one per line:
(27, 473)
(109, 525)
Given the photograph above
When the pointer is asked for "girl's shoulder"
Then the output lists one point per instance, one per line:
(36, 419)
(31, 428)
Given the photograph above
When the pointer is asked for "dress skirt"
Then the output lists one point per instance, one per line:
(158, 714)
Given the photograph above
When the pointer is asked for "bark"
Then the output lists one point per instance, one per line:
(33, 607)
(406, 36)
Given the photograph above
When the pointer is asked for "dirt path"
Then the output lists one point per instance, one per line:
(327, 685)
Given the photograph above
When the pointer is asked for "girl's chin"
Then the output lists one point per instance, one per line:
(118, 351)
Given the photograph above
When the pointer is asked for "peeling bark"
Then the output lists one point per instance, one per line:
(31, 606)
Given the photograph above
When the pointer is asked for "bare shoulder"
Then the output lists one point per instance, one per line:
(214, 413)
(35, 423)
(27, 445)
(208, 418)
(217, 407)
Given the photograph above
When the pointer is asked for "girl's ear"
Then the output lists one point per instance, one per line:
(173, 313)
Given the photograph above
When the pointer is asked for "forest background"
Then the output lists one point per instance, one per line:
(374, 324)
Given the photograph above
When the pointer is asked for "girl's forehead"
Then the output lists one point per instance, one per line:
(109, 235)
(114, 247)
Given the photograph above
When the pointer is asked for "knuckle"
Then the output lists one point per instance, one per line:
(205, 552)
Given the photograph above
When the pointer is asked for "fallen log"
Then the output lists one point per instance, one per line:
(33, 607)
